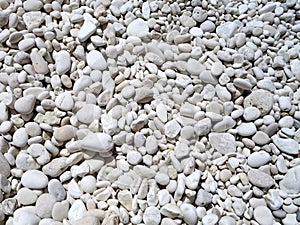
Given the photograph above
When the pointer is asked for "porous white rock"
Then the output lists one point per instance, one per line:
(222, 142)
(151, 216)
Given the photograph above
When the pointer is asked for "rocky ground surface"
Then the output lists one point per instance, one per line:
(149, 112)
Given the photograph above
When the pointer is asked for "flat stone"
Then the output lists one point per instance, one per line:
(263, 215)
(261, 138)
(64, 133)
(217, 69)
(222, 142)
(143, 95)
(25, 105)
(208, 26)
(88, 220)
(251, 113)
(192, 181)
(4, 166)
(257, 159)
(26, 196)
(289, 146)
(227, 30)
(295, 68)
(55, 167)
(203, 127)
(56, 189)
(20, 137)
(62, 62)
(5, 185)
(125, 198)
(32, 5)
(25, 45)
(290, 183)
(260, 179)
(227, 220)
(172, 129)
(34, 179)
(134, 157)
(24, 216)
(97, 142)
(88, 113)
(171, 211)
(60, 210)
(194, 67)
(88, 184)
(246, 129)
(96, 60)
(144, 172)
(45, 210)
(137, 27)
(87, 29)
(64, 101)
(162, 112)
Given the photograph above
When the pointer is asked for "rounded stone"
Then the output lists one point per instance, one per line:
(34, 179)
(263, 215)
(44, 205)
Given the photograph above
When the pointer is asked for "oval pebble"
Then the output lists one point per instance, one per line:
(34, 179)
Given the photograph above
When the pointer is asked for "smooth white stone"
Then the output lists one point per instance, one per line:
(289, 146)
(64, 101)
(189, 214)
(44, 205)
(263, 215)
(62, 62)
(25, 105)
(20, 137)
(246, 129)
(77, 210)
(257, 159)
(34, 179)
(137, 27)
(227, 30)
(97, 142)
(290, 183)
(96, 60)
(87, 29)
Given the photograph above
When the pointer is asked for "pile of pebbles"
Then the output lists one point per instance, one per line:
(149, 112)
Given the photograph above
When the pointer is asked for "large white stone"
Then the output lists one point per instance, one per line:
(34, 179)
(96, 60)
(222, 142)
(137, 27)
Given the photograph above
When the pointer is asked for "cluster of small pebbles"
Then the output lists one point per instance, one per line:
(149, 112)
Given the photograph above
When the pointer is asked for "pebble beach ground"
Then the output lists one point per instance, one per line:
(149, 112)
